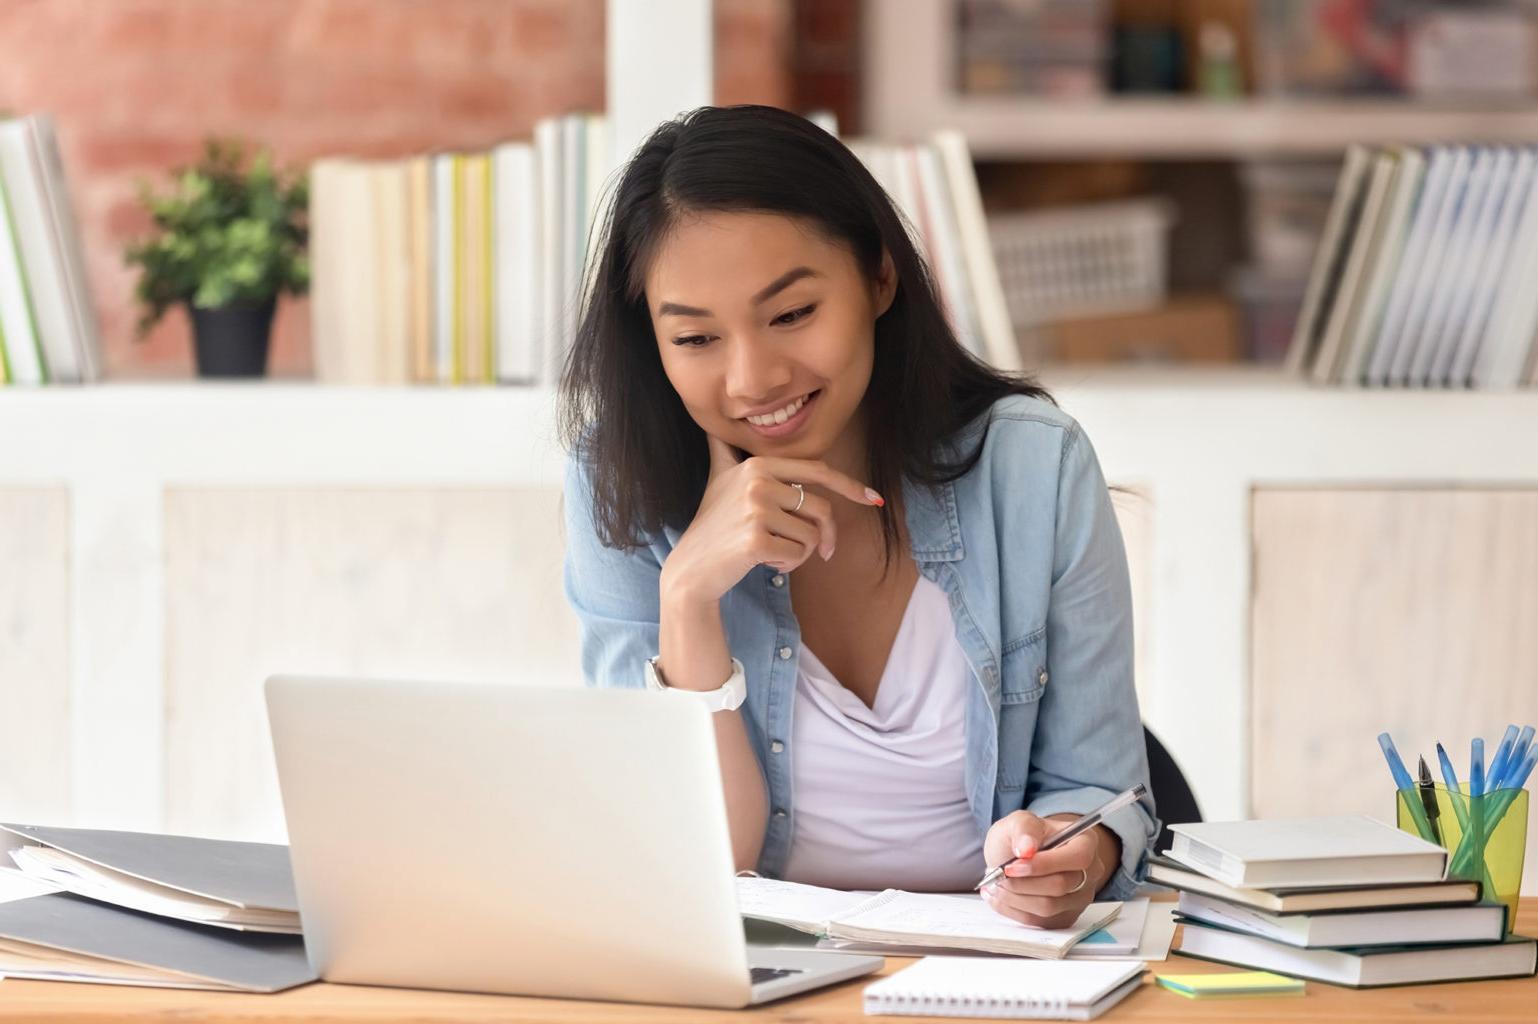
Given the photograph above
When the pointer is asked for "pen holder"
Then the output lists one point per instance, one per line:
(1485, 836)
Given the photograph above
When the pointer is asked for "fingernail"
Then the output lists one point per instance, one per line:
(1018, 869)
(827, 555)
(875, 499)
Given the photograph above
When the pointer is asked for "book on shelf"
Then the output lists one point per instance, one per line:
(1423, 275)
(480, 259)
(48, 328)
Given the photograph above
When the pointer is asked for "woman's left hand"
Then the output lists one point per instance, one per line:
(1046, 890)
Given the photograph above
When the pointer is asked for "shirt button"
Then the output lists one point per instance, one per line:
(776, 747)
(785, 653)
(778, 580)
(1042, 679)
(779, 813)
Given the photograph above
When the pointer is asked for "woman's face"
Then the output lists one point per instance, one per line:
(758, 317)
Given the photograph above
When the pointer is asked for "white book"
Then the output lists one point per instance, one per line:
(1383, 265)
(1362, 967)
(1303, 852)
(977, 251)
(1433, 266)
(18, 332)
(445, 260)
(1508, 338)
(934, 921)
(947, 262)
(941, 986)
(1428, 207)
(1487, 277)
(1480, 922)
(42, 258)
(516, 202)
(573, 235)
(77, 279)
(550, 162)
(1471, 212)
(392, 279)
(1468, 288)
(1350, 281)
(1318, 294)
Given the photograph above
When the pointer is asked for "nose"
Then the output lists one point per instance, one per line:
(755, 372)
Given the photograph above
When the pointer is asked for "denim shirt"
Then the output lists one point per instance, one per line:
(1027, 548)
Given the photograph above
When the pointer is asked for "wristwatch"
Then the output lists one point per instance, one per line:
(728, 697)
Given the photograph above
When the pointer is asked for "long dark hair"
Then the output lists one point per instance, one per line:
(647, 458)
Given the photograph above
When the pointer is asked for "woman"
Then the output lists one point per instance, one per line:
(787, 472)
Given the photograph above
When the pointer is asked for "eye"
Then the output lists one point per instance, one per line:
(692, 340)
(795, 314)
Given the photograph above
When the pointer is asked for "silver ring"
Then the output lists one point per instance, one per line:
(801, 499)
(1083, 881)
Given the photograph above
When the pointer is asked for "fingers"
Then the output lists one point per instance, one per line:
(1036, 911)
(1013, 836)
(1077, 853)
(814, 471)
(804, 534)
(722, 455)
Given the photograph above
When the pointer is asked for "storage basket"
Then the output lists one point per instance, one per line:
(1082, 260)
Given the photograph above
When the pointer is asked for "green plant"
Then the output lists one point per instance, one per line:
(226, 235)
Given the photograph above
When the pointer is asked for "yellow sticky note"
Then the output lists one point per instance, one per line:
(1234, 983)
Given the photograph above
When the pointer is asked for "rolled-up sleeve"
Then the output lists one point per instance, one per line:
(613, 592)
(1089, 742)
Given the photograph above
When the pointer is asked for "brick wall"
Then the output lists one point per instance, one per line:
(136, 85)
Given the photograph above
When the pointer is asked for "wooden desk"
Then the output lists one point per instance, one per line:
(1507, 1001)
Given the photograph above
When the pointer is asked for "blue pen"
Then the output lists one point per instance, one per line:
(1525, 770)
(1498, 762)
(1453, 792)
(1395, 765)
(1477, 767)
(1517, 756)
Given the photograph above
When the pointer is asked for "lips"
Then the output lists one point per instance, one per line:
(791, 425)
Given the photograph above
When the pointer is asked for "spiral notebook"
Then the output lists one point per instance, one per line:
(958, 986)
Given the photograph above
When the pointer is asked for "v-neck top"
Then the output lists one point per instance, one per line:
(880, 792)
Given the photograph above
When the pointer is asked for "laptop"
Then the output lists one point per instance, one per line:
(565, 842)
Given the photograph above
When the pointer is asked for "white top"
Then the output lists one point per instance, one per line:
(879, 792)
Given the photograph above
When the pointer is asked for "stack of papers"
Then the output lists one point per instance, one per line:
(919, 920)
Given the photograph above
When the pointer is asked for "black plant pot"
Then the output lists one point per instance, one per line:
(232, 341)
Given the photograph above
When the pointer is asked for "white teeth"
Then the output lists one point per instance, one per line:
(779, 416)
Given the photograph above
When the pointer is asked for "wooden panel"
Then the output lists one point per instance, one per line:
(451, 584)
(1406, 610)
(34, 654)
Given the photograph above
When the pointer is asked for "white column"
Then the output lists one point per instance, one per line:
(659, 63)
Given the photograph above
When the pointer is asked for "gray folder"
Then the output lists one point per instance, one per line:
(242, 874)
(252, 961)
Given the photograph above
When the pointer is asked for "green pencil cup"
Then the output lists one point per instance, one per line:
(1485, 836)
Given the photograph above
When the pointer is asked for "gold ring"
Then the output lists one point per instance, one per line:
(801, 499)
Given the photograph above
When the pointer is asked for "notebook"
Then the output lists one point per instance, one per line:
(63, 937)
(1363, 967)
(1232, 983)
(1484, 922)
(928, 920)
(948, 986)
(215, 882)
(1297, 852)
(1301, 901)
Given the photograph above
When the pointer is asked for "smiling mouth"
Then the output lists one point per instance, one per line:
(784, 414)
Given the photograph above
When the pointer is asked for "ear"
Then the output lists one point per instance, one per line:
(886, 284)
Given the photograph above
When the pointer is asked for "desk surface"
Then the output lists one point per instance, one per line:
(37, 1001)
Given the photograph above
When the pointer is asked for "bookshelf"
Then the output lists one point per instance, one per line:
(1197, 443)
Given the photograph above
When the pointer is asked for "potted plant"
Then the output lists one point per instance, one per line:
(229, 240)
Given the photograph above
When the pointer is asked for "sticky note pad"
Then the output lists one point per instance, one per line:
(1240, 983)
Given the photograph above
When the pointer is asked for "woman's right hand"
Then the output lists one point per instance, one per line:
(744, 520)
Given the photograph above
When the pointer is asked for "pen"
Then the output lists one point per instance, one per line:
(1084, 824)
(1395, 763)
(1514, 760)
(1498, 762)
(1428, 792)
(1477, 766)
(1453, 792)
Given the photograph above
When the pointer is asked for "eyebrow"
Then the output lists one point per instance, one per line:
(780, 283)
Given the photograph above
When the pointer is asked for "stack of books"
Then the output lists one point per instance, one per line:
(1423, 277)
(467, 268)
(1345, 900)
(48, 329)
(132, 908)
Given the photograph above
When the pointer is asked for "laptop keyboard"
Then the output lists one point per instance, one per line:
(759, 975)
